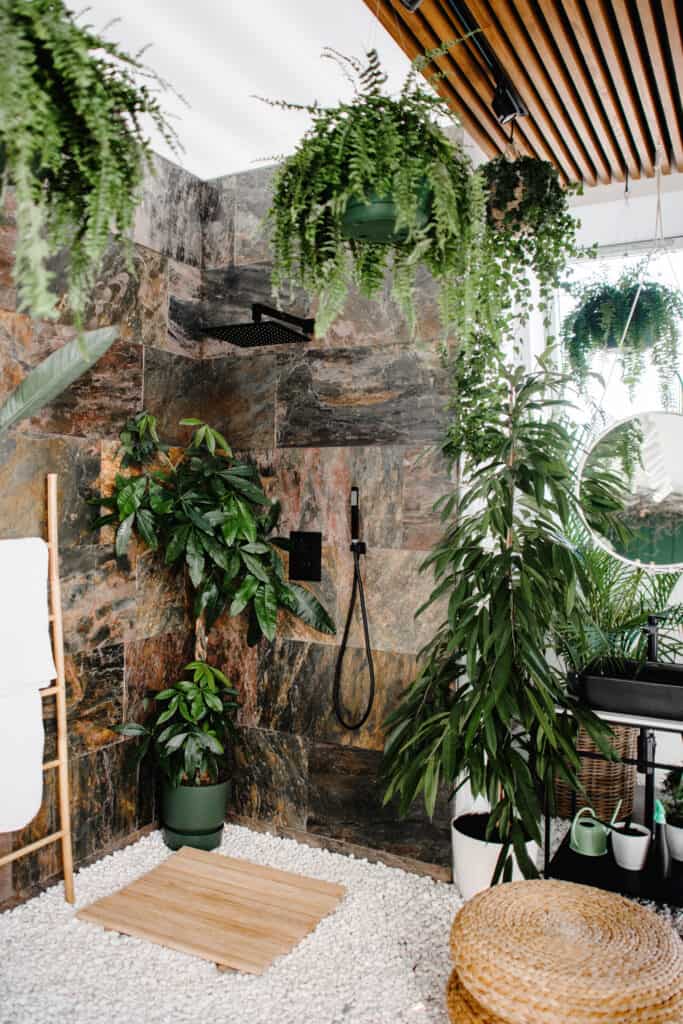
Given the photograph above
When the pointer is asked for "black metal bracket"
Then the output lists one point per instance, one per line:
(305, 324)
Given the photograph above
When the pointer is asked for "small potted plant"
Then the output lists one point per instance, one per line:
(633, 315)
(189, 738)
(673, 805)
(376, 183)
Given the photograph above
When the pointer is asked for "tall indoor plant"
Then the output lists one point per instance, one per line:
(483, 707)
(378, 158)
(205, 513)
(72, 143)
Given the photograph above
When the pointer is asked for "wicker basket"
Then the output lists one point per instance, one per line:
(605, 782)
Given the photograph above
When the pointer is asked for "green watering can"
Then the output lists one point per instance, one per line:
(588, 835)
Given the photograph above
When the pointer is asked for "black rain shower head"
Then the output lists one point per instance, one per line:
(261, 333)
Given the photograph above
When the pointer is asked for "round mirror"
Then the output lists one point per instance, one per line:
(642, 522)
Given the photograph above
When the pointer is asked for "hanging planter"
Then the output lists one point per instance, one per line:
(531, 230)
(651, 311)
(71, 144)
(376, 184)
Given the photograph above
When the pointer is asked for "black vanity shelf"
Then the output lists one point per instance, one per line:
(603, 872)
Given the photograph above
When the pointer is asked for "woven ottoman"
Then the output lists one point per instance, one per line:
(547, 952)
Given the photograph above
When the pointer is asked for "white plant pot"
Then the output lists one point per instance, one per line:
(630, 852)
(674, 837)
(474, 861)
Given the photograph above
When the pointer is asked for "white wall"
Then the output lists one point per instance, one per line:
(611, 217)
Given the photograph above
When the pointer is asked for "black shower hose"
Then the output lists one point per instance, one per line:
(357, 589)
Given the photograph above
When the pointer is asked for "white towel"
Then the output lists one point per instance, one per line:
(25, 649)
(21, 759)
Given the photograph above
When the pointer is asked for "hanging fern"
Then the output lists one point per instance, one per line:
(378, 146)
(71, 143)
(600, 318)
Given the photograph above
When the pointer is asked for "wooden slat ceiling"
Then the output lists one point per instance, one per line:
(602, 80)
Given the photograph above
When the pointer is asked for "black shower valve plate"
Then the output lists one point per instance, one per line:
(305, 555)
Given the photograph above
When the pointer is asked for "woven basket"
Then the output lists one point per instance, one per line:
(605, 782)
(549, 952)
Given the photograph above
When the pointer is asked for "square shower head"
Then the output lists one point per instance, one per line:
(277, 329)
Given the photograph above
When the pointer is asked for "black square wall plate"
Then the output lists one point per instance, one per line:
(305, 555)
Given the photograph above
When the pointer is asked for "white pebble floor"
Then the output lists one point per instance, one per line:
(381, 958)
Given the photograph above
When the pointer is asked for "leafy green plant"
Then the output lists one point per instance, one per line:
(483, 706)
(378, 146)
(530, 231)
(207, 514)
(139, 439)
(601, 316)
(71, 143)
(192, 728)
(673, 797)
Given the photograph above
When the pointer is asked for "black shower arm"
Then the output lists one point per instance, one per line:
(258, 310)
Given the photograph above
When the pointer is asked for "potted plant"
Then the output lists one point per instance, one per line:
(189, 737)
(72, 107)
(483, 708)
(633, 315)
(673, 805)
(204, 511)
(375, 182)
(530, 231)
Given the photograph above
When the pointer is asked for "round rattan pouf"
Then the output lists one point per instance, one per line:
(547, 952)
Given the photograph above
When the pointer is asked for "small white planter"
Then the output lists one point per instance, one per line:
(674, 837)
(474, 860)
(630, 851)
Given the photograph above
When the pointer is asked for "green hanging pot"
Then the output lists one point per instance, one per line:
(193, 815)
(374, 220)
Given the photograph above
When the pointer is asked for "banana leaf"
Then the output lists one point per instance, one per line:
(55, 374)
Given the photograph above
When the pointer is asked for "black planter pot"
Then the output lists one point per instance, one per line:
(649, 689)
(193, 815)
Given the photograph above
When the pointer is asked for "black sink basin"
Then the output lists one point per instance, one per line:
(649, 689)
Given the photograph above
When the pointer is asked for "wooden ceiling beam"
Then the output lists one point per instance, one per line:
(411, 46)
(638, 68)
(661, 75)
(517, 73)
(614, 58)
(553, 43)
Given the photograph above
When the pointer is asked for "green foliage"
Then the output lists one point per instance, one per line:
(71, 143)
(207, 514)
(192, 727)
(615, 601)
(600, 318)
(530, 230)
(483, 705)
(140, 442)
(673, 797)
(387, 147)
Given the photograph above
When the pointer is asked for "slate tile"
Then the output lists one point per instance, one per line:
(426, 478)
(174, 390)
(169, 218)
(98, 605)
(238, 398)
(184, 310)
(160, 598)
(270, 777)
(153, 664)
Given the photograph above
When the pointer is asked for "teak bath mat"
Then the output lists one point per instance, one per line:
(237, 914)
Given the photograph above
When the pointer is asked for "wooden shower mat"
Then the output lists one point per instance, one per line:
(237, 914)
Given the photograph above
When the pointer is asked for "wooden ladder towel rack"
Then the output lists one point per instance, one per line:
(61, 762)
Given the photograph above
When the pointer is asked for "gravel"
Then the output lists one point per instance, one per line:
(381, 957)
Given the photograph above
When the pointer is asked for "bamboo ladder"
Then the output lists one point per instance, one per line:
(61, 762)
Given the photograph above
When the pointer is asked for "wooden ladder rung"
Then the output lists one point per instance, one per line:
(49, 691)
(31, 848)
(51, 764)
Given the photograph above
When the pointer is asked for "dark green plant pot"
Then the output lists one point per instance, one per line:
(375, 220)
(193, 815)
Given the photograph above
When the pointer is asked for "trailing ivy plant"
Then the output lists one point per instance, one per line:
(382, 146)
(483, 706)
(601, 317)
(72, 143)
(530, 231)
(205, 512)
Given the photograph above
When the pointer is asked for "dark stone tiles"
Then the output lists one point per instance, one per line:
(238, 398)
(184, 310)
(269, 777)
(131, 291)
(354, 396)
(23, 344)
(98, 605)
(253, 196)
(160, 598)
(106, 798)
(174, 390)
(218, 222)
(46, 862)
(94, 698)
(99, 403)
(153, 664)
(346, 801)
(168, 220)
(25, 461)
(425, 479)
(228, 651)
